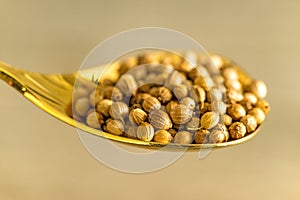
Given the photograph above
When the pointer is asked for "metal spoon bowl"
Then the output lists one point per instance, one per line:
(53, 93)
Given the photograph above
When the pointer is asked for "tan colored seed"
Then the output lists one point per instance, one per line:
(236, 111)
(145, 132)
(180, 91)
(209, 120)
(82, 105)
(219, 107)
(214, 95)
(131, 132)
(151, 103)
(226, 120)
(263, 105)
(127, 84)
(233, 96)
(235, 85)
(258, 88)
(181, 114)
(258, 114)
(171, 105)
(189, 102)
(94, 120)
(183, 137)
(205, 82)
(118, 110)
(115, 127)
(162, 136)
(193, 124)
(250, 123)
(175, 78)
(103, 107)
(237, 130)
(140, 97)
(218, 136)
(198, 93)
(248, 101)
(230, 74)
(160, 120)
(201, 136)
(198, 71)
(164, 94)
(137, 116)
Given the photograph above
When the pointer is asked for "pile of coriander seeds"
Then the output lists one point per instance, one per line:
(169, 98)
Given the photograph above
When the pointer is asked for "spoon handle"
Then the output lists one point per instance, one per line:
(12, 76)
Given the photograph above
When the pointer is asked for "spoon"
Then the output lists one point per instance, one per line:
(53, 93)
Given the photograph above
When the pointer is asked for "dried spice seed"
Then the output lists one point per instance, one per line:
(201, 136)
(115, 127)
(258, 88)
(181, 114)
(137, 116)
(198, 93)
(236, 111)
(180, 91)
(153, 109)
(151, 103)
(189, 102)
(162, 136)
(263, 105)
(217, 136)
(103, 107)
(171, 105)
(250, 123)
(258, 114)
(145, 132)
(209, 120)
(183, 137)
(237, 130)
(193, 124)
(160, 120)
(118, 110)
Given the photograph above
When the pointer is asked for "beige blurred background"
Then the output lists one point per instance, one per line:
(42, 158)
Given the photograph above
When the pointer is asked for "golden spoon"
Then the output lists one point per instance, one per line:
(53, 93)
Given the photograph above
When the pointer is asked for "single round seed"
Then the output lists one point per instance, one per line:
(189, 102)
(237, 130)
(209, 120)
(183, 137)
(82, 105)
(145, 132)
(236, 111)
(162, 136)
(250, 123)
(115, 127)
(258, 114)
(151, 103)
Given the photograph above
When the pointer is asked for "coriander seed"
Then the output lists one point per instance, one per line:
(160, 120)
(236, 111)
(183, 137)
(237, 130)
(209, 120)
(181, 114)
(137, 116)
(258, 114)
(250, 123)
(162, 136)
(151, 103)
(115, 127)
(263, 105)
(201, 136)
(145, 132)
